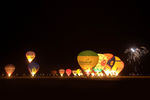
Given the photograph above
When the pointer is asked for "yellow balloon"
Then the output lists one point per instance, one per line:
(118, 66)
(30, 56)
(79, 72)
(87, 59)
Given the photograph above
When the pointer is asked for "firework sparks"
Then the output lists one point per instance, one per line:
(134, 56)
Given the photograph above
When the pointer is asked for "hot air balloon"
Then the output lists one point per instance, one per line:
(61, 72)
(109, 64)
(74, 72)
(79, 72)
(114, 65)
(101, 63)
(87, 59)
(68, 72)
(9, 69)
(54, 72)
(30, 55)
(33, 68)
(118, 66)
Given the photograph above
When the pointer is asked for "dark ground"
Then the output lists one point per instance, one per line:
(48, 89)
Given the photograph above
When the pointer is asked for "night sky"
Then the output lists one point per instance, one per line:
(58, 30)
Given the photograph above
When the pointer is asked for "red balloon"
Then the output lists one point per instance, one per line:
(68, 72)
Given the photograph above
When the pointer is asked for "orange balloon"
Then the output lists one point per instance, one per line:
(61, 72)
(9, 69)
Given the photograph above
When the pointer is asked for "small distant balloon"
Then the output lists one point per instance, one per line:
(30, 55)
(33, 68)
(79, 72)
(61, 72)
(68, 72)
(74, 72)
(54, 72)
(10, 68)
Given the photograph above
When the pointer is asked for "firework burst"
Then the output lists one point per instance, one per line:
(135, 54)
(134, 57)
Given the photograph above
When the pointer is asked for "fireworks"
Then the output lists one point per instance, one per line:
(134, 57)
(135, 54)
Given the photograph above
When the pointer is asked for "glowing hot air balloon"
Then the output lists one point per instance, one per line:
(30, 56)
(87, 59)
(79, 72)
(118, 66)
(54, 72)
(61, 72)
(101, 63)
(9, 69)
(74, 72)
(33, 68)
(68, 72)
(109, 64)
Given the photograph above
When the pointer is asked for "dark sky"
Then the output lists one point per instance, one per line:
(58, 30)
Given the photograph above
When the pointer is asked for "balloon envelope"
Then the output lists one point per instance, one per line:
(109, 64)
(101, 63)
(74, 72)
(68, 72)
(87, 59)
(79, 72)
(9, 69)
(33, 68)
(30, 55)
(61, 72)
(118, 65)
(53, 72)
